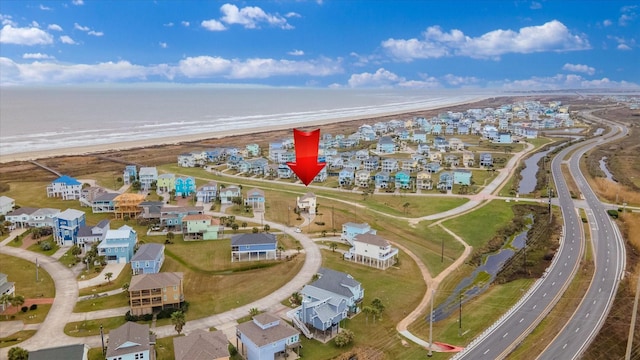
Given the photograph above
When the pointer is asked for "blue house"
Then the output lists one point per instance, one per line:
(382, 179)
(148, 259)
(350, 230)
(130, 174)
(185, 186)
(419, 136)
(284, 171)
(486, 159)
(346, 177)
(208, 192)
(436, 129)
(386, 145)
(255, 199)
(445, 182)
(171, 216)
(462, 177)
(266, 337)
(504, 138)
(66, 226)
(118, 245)
(253, 247)
(403, 180)
(432, 167)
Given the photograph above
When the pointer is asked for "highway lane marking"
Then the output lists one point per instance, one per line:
(594, 302)
(486, 351)
(553, 283)
(534, 306)
(560, 274)
(600, 290)
(545, 294)
(521, 320)
(587, 315)
(577, 329)
(565, 345)
(505, 335)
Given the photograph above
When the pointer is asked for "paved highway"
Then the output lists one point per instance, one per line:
(500, 339)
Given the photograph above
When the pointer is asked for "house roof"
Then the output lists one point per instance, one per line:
(148, 252)
(371, 239)
(22, 211)
(85, 231)
(128, 338)
(181, 209)
(308, 195)
(148, 171)
(356, 225)
(253, 239)
(201, 345)
(255, 192)
(195, 217)
(67, 180)
(4, 200)
(166, 176)
(155, 281)
(262, 337)
(67, 352)
(45, 212)
(335, 282)
(70, 214)
(106, 197)
(122, 233)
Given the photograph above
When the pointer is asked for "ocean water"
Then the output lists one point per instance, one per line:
(47, 118)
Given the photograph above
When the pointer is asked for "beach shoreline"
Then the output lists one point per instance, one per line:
(181, 139)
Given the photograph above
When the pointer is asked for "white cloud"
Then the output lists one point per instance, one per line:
(551, 36)
(607, 22)
(292, 14)
(185, 23)
(213, 25)
(163, 45)
(24, 36)
(535, 5)
(455, 80)
(251, 16)
(623, 47)
(44, 8)
(381, 78)
(54, 27)
(67, 40)
(296, 52)
(77, 2)
(7, 20)
(628, 15)
(204, 66)
(623, 44)
(95, 33)
(37, 56)
(579, 68)
(35, 24)
(169, 24)
(80, 27)
(570, 81)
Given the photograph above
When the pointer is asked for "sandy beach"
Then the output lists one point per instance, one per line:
(126, 145)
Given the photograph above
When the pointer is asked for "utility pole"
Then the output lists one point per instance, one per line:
(524, 264)
(633, 321)
(37, 268)
(442, 252)
(288, 211)
(433, 298)
(102, 337)
(460, 317)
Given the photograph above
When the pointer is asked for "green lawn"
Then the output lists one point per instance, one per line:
(124, 277)
(32, 316)
(92, 327)
(16, 338)
(23, 273)
(478, 227)
(36, 247)
(68, 259)
(105, 302)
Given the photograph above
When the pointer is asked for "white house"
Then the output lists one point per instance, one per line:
(372, 250)
(307, 203)
(147, 176)
(6, 205)
(65, 187)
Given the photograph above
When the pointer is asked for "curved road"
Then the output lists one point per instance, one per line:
(500, 339)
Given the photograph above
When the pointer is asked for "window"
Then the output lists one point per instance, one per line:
(175, 287)
(146, 264)
(175, 296)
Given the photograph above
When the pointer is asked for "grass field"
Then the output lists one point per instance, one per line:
(124, 277)
(16, 338)
(106, 302)
(92, 327)
(23, 273)
(489, 218)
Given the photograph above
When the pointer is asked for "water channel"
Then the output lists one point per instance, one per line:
(605, 170)
(482, 276)
(528, 182)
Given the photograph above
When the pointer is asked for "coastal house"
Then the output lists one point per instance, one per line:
(6, 205)
(148, 259)
(89, 235)
(350, 230)
(147, 176)
(207, 193)
(410, 165)
(440, 144)
(386, 145)
(468, 159)
(66, 226)
(104, 203)
(445, 181)
(131, 341)
(130, 174)
(118, 245)
(153, 292)
(65, 187)
(187, 160)
(419, 136)
(432, 167)
(402, 180)
(372, 250)
(42, 217)
(389, 165)
(362, 178)
(171, 216)
(462, 177)
(185, 186)
(362, 155)
(451, 160)
(6, 288)
(435, 157)
(253, 247)
(229, 193)
(504, 138)
(89, 193)
(423, 149)
(424, 181)
(353, 165)
(166, 182)
(255, 198)
(66, 352)
(456, 144)
(284, 171)
(486, 160)
(216, 155)
(381, 179)
(371, 163)
(127, 205)
(151, 210)
(19, 218)
(307, 203)
(201, 345)
(253, 150)
(346, 177)
(322, 175)
(266, 337)
(201, 227)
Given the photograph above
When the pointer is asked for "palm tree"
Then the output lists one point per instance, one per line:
(75, 251)
(333, 246)
(405, 206)
(108, 276)
(17, 300)
(267, 228)
(280, 249)
(170, 236)
(18, 353)
(367, 310)
(4, 299)
(178, 320)
(324, 233)
(254, 311)
(125, 287)
(244, 224)
(235, 227)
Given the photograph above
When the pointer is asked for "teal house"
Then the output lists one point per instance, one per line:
(462, 177)
(403, 180)
(185, 186)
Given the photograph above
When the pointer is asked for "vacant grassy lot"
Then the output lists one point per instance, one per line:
(478, 227)
(124, 277)
(23, 273)
(92, 327)
(16, 338)
(105, 302)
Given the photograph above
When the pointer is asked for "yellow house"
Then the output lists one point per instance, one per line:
(149, 292)
(166, 182)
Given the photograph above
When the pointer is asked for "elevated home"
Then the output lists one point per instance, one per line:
(148, 259)
(382, 179)
(104, 203)
(322, 175)
(432, 167)
(389, 165)
(6, 288)
(451, 160)
(419, 136)
(253, 247)
(435, 157)
(130, 174)
(150, 210)
(445, 181)
(66, 352)
(131, 341)
(66, 226)
(423, 149)
(201, 345)
(486, 159)
(462, 177)
(89, 235)
(468, 159)
(441, 144)
(456, 144)
(371, 164)
(171, 216)
(187, 160)
(257, 166)
(463, 129)
(6, 205)
(65, 187)
(152, 292)
(147, 176)
(201, 227)
(185, 186)
(118, 245)
(402, 180)
(424, 181)
(504, 138)
(253, 150)
(166, 182)
(410, 165)
(255, 198)
(386, 145)
(217, 155)
(207, 193)
(19, 218)
(362, 155)
(266, 337)
(372, 250)
(127, 205)
(362, 178)
(284, 171)
(350, 230)
(42, 217)
(229, 193)
(346, 177)
(307, 203)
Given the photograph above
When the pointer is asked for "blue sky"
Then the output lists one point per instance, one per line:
(349, 44)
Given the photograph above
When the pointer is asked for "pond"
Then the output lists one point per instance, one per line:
(482, 276)
(528, 182)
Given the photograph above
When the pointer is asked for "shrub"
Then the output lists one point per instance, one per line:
(24, 309)
(33, 307)
(613, 213)
(232, 350)
(45, 246)
(320, 223)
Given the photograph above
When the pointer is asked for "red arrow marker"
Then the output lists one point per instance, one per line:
(306, 146)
